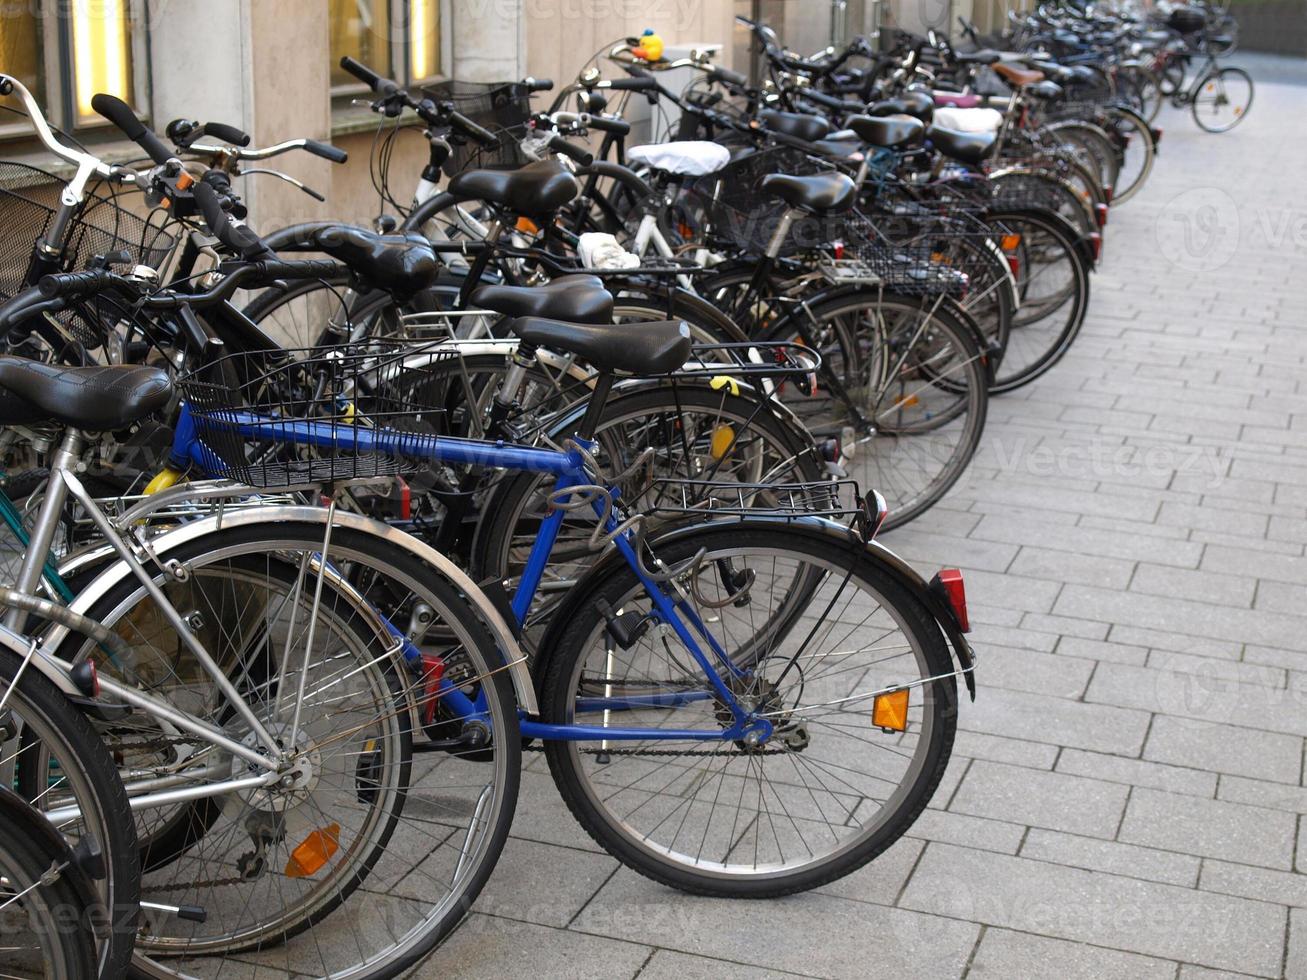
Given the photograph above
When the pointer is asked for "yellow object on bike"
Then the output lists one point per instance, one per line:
(164, 479)
(725, 380)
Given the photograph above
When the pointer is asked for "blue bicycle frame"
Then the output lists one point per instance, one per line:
(569, 470)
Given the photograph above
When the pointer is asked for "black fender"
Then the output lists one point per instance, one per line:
(812, 527)
(85, 865)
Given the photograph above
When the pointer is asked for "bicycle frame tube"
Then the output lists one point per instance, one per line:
(569, 468)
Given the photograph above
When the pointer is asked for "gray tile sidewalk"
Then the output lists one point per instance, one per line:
(1127, 793)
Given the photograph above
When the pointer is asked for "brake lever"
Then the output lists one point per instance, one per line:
(287, 178)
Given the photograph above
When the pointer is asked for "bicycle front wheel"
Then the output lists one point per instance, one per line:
(1222, 99)
(814, 628)
(364, 855)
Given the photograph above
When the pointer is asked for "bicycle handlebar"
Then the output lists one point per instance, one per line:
(121, 115)
(68, 286)
(382, 86)
(12, 86)
(568, 149)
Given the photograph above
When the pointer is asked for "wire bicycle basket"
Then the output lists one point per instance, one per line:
(322, 415)
(29, 197)
(504, 108)
(912, 256)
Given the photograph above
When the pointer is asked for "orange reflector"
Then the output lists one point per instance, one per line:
(723, 438)
(1010, 243)
(890, 711)
(315, 851)
(527, 225)
(908, 401)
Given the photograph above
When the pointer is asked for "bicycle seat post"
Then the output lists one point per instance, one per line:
(594, 409)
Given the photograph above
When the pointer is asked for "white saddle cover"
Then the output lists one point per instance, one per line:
(690, 158)
(968, 120)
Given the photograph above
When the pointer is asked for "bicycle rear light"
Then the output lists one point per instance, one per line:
(948, 582)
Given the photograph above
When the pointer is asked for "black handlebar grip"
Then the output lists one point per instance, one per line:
(382, 86)
(325, 150)
(228, 134)
(578, 153)
(618, 127)
(470, 129)
(74, 285)
(121, 115)
(640, 83)
(728, 76)
(539, 84)
(238, 238)
(6, 85)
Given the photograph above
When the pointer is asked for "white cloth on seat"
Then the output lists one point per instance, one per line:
(968, 120)
(600, 251)
(691, 158)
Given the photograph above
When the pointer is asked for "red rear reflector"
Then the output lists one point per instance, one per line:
(1014, 264)
(405, 501)
(433, 672)
(838, 249)
(1096, 241)
(1100, 212)
(1107, 193)
(956, 591)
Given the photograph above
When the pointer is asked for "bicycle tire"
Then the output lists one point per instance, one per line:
(1022, 362)
(844, 354)
(39, 907)
(89, 779)
(402, 950)
(1220, 78)
(659, 859)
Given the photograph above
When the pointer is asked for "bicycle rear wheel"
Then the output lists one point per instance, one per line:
(816, 627)
(916, 377)
(1053, 287)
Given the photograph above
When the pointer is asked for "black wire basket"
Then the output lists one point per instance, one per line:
(104, 229)
(731, 211)
(504, 108)
(914, 256)
(322, 415)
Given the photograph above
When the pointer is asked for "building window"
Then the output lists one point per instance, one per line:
(65, 51)
(400, 39)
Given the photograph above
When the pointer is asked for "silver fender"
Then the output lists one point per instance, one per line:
(170, 540)
(53, 671)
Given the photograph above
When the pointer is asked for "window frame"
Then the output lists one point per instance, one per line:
(57, 58)
(400, 53)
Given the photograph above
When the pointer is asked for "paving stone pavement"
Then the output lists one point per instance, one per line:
(1127, 794)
